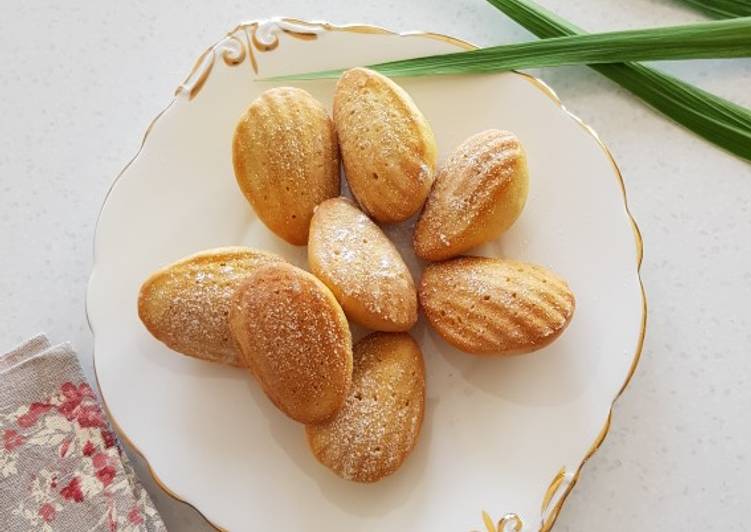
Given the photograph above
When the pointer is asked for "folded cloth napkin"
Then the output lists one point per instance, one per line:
(61, 465)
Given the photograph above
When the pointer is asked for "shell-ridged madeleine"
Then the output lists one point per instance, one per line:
(295, 338)
(352, 256)
(495, 306)
(479, 192)
(387, 146)
(185, 304)
(378, 426)
(286, 160)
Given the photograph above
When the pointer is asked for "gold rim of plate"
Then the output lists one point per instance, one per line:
(202, 69)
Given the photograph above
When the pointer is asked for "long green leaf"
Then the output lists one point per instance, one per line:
(723, 8)
(719, 121)
(716, 39)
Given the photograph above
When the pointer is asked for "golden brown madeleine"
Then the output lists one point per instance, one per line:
(185, 304)
(294, 337)
(495, 306)
(387, 146)
(352, 256)
(479, 191)
(286, 160)
(378, 426)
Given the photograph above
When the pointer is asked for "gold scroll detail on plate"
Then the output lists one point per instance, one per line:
(507, 523)
(241, 42)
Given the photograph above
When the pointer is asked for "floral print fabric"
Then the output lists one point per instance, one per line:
(61, 467)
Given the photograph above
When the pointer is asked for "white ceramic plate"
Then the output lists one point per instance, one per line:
(502, 436)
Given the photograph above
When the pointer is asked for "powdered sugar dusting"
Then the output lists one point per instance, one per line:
(487, 305)
(186, 304)
(351, 254)
(286, 159)
(381, 418)
(468, 193)
(385, 144)
(296, 340)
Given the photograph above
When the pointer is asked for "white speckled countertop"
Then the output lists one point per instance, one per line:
(81, 80)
